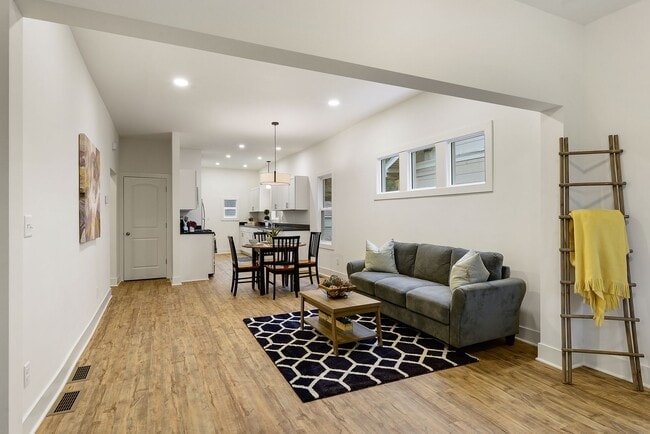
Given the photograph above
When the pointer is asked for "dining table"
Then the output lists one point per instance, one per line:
(259, 250)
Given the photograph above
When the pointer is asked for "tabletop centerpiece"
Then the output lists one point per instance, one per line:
(336, 287)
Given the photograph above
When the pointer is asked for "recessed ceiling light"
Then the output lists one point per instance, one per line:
(242, 146)
(259, 158)
(245, 165)
(333, 103)
(227, 155)
(278, 148)
(181, 82)
(217, 163)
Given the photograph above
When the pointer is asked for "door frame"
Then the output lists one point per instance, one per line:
(170, 226)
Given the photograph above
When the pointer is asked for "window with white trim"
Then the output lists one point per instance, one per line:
(389, 173)
(456, 163)
(325, 205)
(230, 209)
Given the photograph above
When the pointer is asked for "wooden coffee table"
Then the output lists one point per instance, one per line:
(353, 304)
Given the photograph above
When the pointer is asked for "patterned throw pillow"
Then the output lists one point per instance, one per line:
(380, 258)
(468, 269)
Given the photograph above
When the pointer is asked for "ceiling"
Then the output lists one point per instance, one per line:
(231, 101)
(579, 11)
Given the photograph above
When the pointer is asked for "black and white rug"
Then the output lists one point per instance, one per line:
(307, 361)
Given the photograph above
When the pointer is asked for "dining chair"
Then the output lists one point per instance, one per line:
(262, 237)
(309, 266)
(238, 269)
(285, 262)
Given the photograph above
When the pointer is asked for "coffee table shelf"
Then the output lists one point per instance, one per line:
(354, 303)
(358, 332)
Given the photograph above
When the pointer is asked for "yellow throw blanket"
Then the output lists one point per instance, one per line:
(599, 239)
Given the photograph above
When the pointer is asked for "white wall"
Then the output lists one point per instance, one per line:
(219, 184)
(497, 221)
(64, 283)
(146, 155)
(617, 81)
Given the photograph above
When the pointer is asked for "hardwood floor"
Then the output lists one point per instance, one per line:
(180, 360)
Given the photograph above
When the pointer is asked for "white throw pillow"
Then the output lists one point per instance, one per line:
(380, 258)
(468, 269)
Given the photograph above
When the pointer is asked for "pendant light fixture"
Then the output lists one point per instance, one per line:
(275, 178)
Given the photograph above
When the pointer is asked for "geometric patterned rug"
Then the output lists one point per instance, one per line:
(307, 361)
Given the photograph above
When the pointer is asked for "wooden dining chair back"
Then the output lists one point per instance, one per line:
(309, 266)
(239, 269)
(285, 262)
(262, 237)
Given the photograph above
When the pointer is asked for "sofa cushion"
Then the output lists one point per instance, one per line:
(380, 258)
(433, 263)
(405, 257)
(432, 301)
(492, 261)
(394, 289)
(365, 280)
(468, 269)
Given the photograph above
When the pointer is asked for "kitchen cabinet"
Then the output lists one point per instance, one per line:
(189, 190)
(294, 196)
(280, 197)
(260, 198)
(298, 193)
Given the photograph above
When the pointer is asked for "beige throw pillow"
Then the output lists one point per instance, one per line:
(380, 258)
(468, 269)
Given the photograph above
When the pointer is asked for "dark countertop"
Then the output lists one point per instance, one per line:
(282, 226)
(200, 232)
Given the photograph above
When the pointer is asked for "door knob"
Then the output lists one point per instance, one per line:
(128, 233)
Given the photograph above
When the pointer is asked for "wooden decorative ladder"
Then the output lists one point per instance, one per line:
(567, 281)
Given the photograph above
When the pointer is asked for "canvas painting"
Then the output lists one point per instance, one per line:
(89, 195)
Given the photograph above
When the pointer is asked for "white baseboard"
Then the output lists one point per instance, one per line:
(176, 280)
(528, 335)
(40, 409)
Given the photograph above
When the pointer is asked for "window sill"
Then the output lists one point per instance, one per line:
(442, 191)
(327, 246)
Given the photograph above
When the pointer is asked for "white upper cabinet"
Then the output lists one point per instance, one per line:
(260, 198)
(280, 197)
(294, 196)
(299, 193)
(189, 198)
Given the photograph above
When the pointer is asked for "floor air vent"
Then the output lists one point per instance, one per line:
(81, 373)
(66, 403)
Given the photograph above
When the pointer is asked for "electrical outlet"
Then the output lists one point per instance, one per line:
(26, 374)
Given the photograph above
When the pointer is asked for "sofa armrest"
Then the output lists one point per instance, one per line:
(485, 311)
(356, 266)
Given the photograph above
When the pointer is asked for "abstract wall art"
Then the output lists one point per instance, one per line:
(89, 194)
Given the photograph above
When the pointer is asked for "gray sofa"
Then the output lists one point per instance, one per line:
(420, 296)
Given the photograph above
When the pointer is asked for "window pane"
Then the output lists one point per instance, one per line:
(230, 208)
(468, 160)
(390, 174)
(424, 168)
(327, 193)
(326, 225)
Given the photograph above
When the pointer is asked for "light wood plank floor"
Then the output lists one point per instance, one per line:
(180, 360)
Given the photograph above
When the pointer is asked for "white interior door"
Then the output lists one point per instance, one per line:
(145, 228)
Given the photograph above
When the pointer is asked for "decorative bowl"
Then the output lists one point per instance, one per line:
(336, 291)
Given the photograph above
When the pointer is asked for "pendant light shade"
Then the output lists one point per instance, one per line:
(275, 177)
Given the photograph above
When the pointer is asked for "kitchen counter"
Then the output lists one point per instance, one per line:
(197, 256)
(282, 226)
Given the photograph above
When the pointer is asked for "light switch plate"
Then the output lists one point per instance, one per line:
(28, 226)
